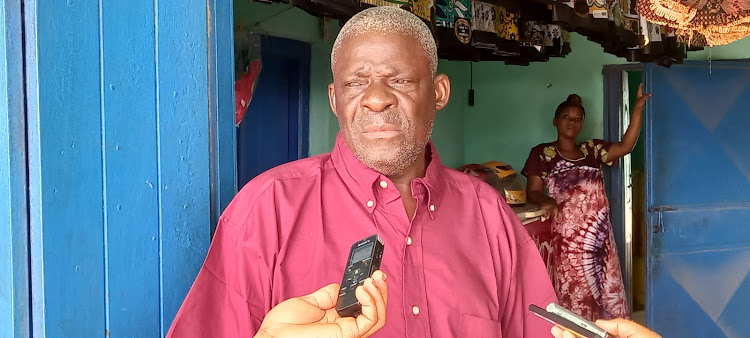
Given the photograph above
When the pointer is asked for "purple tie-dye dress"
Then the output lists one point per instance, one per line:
(587, 276)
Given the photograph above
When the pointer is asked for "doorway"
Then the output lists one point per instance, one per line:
(274, 130)
(625, 184)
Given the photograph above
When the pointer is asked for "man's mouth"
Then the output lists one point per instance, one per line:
(381, 131)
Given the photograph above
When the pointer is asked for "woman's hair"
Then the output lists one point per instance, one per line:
(573, 101)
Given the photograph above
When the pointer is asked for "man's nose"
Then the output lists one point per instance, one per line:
(378, 97)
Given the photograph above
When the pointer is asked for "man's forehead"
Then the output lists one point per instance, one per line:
(377, 38)
(383, 66)
(367, 52)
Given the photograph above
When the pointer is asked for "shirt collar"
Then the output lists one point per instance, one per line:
(363, 180)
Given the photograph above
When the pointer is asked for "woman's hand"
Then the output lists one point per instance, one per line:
(640, 101)
(550, 206)
(535, 194)
(624, 147)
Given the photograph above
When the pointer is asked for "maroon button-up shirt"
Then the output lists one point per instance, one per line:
(464, 266)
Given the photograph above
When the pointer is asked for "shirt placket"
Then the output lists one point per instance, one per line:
(416, 309)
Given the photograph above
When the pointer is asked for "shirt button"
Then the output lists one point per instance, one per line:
(408, 240)
(370, 204)
(415, 310)
(432, 207)
(383, 184)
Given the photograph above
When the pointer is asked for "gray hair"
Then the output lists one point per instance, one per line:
(388, 20)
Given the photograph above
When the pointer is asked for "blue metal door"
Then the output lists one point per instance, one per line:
(698, 199)
(275, 127)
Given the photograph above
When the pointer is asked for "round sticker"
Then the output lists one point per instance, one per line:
(463, 30)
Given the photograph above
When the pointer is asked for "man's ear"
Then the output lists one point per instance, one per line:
(442, 91)
(332, 98)
(554, 122)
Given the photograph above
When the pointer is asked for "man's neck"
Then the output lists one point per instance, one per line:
(403, 183)
(416, 170)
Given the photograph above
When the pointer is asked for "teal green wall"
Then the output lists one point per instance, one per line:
(736, 50)
(449, 133)
(514, 105)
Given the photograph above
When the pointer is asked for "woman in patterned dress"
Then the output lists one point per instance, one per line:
(587, 276)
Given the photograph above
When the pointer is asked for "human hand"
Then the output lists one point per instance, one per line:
(640, 101)
(619, 328)
(315, 314)
(550, 206)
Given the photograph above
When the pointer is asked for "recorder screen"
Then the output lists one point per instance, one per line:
(362, 253)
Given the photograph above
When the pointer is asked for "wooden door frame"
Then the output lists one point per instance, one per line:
(221, 127)
(614, 176)
(15, 312)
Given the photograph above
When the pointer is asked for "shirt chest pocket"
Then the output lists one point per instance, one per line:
(473, 326)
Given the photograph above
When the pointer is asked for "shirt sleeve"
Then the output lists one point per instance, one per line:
(599, 149)
(232, 292)
(534, 163)
(530, 284)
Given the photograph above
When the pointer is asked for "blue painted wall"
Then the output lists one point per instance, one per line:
(118, 111)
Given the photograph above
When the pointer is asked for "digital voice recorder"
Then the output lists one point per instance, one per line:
(364, 259)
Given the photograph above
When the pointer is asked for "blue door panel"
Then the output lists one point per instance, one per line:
(736, 312)
(274, 130)
(695, 229)
(701, 151)
(66, 173)
(263, 135)
(678, 313)
(698, 198)
(130, 151)
(182, 119)
(696, 289)
(118, 139)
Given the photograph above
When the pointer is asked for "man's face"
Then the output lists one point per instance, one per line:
(385, 99)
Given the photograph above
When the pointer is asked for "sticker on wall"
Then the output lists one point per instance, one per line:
(463, 30)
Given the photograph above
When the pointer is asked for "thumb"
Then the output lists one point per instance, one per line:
(309, 308)
(608, 325)
(325, 298)
(620, 327)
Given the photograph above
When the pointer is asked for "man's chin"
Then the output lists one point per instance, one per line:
(385, 160)
(387, 168)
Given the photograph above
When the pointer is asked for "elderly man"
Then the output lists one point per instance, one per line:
(457, 260)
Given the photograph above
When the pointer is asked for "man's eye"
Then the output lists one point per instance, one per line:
(401, 81)
(352, 84)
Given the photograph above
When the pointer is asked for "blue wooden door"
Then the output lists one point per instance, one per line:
(275, 128)
(118, 151)
(698, 199)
